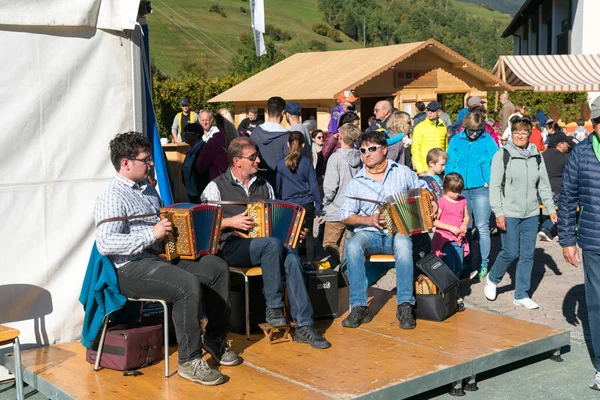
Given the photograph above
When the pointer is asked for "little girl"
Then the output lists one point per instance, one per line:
(297, 183)
(449, 240)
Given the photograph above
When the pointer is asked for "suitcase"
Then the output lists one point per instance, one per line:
(437, 307)
(129, 347)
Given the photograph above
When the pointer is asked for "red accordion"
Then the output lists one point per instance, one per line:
(278, 219)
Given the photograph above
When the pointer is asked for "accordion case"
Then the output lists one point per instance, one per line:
(196, 230)
(408, 213)
(278, 219)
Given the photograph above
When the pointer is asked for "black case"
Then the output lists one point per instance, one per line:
(322, 287)
(437, 307)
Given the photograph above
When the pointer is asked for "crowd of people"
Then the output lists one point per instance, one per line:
(485, 176)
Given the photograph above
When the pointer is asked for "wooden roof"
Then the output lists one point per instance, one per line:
(323, 75)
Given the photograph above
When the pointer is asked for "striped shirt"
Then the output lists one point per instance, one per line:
(125, 241)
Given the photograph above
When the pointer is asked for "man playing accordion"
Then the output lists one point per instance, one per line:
(378, 179)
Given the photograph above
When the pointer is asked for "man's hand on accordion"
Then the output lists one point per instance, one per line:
(302, 235)
(162, 228)
(241, 222)
(377, 220)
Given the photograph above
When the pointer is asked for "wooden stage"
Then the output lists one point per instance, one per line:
(376, 361)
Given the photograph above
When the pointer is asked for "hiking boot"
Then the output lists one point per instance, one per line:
(527, 303)
(358, 315)
(482, 272)
(308, 334)
(489, 289)
(544, 235)
(220, 350)
(198, 371)
(275, 317)
(595, 384)
(404, 313)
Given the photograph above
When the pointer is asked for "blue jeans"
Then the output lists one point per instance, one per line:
(478, 204)
(453, 256)
(591, 273)
(518, 241)
(548, 224)
(365, 243)
(270, 254)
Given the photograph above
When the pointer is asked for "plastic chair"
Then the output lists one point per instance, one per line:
(246, 272)
(165, 334)
(11, 336)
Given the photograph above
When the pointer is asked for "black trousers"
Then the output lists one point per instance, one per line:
(193, 287)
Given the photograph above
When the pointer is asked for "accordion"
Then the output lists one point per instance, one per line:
(278, 219)
(424, 285)
(196, 230)
(408, 213)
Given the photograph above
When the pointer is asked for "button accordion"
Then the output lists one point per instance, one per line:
(278, 219)
(408, 213)
(196, 230)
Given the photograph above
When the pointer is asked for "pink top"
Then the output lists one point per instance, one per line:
(452, 214)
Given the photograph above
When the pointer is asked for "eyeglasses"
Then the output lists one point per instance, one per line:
(251, 157)
(596, 120)
(474, 131)
(318, 137)
(520, 133)
(371, 149)
(145, 160)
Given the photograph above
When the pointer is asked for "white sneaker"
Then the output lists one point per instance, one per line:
(527, 303)
(489, 289)
(595, 384)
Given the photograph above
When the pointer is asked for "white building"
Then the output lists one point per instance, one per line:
(547, 27)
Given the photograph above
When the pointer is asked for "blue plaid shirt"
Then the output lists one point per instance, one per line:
(397, 179)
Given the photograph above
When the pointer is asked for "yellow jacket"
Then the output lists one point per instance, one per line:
(426, 136)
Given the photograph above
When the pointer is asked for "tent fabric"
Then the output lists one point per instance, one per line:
(67, 93)
(116, 15)
(551, 73)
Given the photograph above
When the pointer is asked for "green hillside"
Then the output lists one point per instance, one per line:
(478, 11)
(185, 30)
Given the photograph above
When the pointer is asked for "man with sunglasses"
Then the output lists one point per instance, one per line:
(131, 245)
(378, 179)
(241, 184)
(430, 133)
(580, 188)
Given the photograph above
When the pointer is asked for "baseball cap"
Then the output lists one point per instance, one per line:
(293, 108)
(474, 101)
(348, 96)
(434, 106)
(559, 137)
(185, 102)
(595, 107)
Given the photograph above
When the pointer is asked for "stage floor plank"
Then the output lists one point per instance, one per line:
(377, 360)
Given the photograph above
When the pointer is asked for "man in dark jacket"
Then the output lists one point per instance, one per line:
(271, 139)
(580, 187)
(555, 158)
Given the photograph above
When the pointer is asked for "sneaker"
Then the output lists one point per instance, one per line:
(275, 317)
(308, 334)
(544, 235)
(220, 350)
(527, 303)
(595, 384)
(358, 315)
(404, 313)
(489, 289)
(198, 371)
(482, 272)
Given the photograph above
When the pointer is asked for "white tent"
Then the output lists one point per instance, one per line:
(71, 79)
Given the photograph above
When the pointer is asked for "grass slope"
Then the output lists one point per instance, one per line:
(478, 11)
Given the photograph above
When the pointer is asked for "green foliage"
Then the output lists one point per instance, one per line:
(453, 103)
(243, 10)
(504, 6)
(569, 104)
(276, 34)
(334, 35)
(320, 29)
(315, 45)
(247, 63)
(193, 68)
(487, 7)
(216, 8)
(168, 92)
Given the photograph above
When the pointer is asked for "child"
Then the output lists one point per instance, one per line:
(436, 163)
(341, 168)
(296, 182)
(449, 239)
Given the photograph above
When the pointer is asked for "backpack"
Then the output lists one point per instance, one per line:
(506, 158)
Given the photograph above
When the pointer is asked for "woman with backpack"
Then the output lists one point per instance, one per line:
(518, 177)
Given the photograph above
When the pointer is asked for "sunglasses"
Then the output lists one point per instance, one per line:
(596, 120)
(251, 157)
(523, 120)
(318, 137)
(474, 131)
(371, 149)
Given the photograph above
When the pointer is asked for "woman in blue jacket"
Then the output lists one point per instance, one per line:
(470, 154)
(297, 183)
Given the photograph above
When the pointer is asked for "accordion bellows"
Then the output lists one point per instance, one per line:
(278, 219)
(196, 230)
(408, 213)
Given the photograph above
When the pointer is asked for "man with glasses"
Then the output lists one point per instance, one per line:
(430, 133)
(580, 188)
(241, 184)
(131, 244)
(378, 179)
(382, 111)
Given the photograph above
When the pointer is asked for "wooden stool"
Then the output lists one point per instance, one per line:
(278, 334)
(11, 336)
